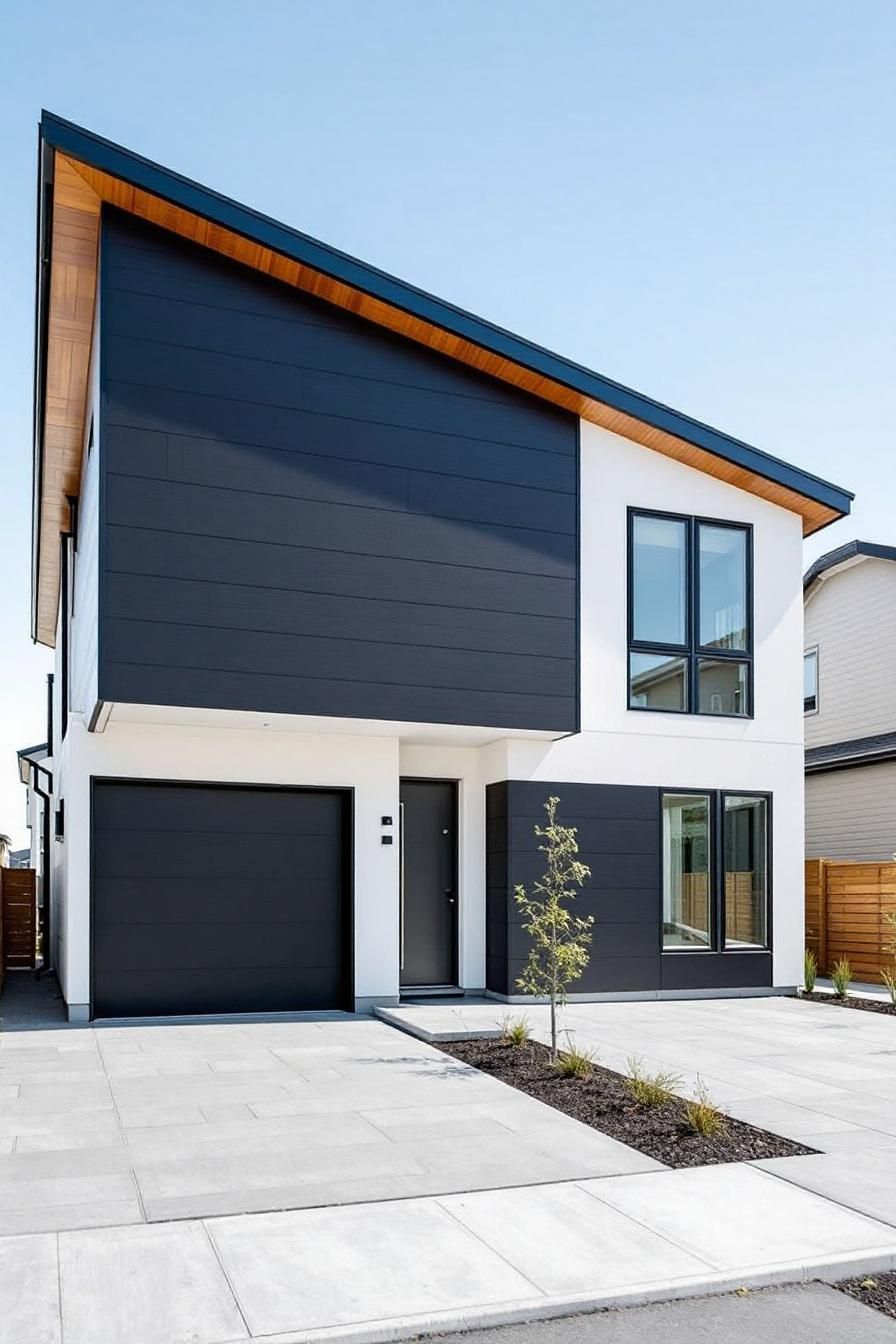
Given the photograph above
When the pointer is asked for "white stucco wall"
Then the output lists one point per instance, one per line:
(621, 746)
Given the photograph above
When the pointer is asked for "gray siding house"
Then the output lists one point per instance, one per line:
(850, 703)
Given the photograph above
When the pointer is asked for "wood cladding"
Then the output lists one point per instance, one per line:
(80, 191)
(76, 216)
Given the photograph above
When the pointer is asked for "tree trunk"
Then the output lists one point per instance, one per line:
(553, 1028)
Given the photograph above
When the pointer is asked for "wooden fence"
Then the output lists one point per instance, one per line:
(846, 909)
(19, 918)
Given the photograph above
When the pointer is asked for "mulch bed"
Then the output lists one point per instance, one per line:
(880, 1294)
(603, 1102)
(863, 1005)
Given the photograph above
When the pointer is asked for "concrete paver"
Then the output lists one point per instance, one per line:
(205, 1119)
(146, 1285)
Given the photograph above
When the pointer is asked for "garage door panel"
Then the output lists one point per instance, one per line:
(151, 993)
(301, 943)
(231, 900)
(194, 807)
(187, 900)
(200, 854)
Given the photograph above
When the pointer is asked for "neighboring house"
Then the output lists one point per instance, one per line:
(850, 703)
(20, 858)
(343, 582)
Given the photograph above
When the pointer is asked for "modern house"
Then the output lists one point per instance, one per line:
(850, 703)
(343, 582)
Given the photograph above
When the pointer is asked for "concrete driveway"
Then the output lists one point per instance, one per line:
(147, 1123)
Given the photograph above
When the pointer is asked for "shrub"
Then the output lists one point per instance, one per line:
(703, 1117)
(889, 980)
(575, 1063)
(650, 1089)
(841, 974)
(515, 1030)
(810, 970)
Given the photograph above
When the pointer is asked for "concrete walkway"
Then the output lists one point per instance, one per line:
(407, 1267)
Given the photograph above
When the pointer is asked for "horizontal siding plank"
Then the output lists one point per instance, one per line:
(150, 551)
(371, 619)
(250, 516)
(334, 434)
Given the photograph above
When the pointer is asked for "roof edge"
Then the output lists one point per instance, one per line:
(850, 550)
(105, 155)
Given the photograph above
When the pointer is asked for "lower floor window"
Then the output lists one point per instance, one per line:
(715, 871)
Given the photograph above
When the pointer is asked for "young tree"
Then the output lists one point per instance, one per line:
(560, 940)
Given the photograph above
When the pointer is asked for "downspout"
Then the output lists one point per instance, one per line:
(46, 964)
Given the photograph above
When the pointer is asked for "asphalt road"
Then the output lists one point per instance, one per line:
(809, 1314)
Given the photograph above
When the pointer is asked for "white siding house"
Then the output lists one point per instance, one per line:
(850, 703)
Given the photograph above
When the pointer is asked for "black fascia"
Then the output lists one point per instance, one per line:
(152, 177)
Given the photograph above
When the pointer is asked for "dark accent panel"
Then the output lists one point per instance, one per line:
(619, 834)
(717, 970)
(302, 513)
(214, 898)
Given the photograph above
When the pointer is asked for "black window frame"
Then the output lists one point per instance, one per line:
(692, 651)
(717, 944)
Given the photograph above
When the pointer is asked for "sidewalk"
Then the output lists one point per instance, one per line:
(391, 1270)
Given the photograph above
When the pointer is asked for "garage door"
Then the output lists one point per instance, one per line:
(212, 899)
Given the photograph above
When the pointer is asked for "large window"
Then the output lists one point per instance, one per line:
(810, 681)
(715, 872)
(687, 873)
(690, 619)
(746, 870)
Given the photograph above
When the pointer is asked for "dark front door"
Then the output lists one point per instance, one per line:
(428, 882)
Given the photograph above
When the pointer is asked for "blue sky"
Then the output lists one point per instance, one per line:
(696, 199)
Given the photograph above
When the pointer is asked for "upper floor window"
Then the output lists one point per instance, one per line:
(810, 681)
(690, 615)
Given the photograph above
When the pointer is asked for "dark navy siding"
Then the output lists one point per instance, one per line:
(619, 835)
(305, 514)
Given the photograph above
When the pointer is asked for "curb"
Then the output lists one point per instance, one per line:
(388, 1331)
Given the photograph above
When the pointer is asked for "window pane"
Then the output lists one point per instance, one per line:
(746, 872)
(810, 681)
(658, 681)
(686, 871)
(659, 580)
(722, 686)
(723, 587)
